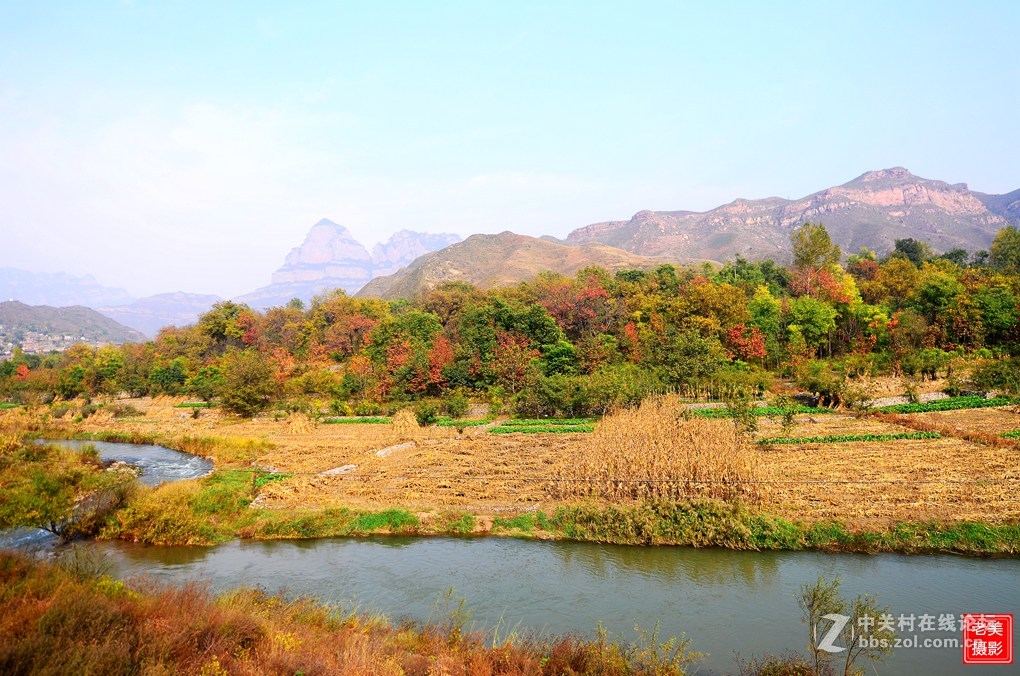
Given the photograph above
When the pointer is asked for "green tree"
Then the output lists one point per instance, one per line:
(915, 251)
(247, 384)
(169, 378)
(813, 318)
(813, 248)
(1000, 313)
(1005, 253)
(71, 382)
(935, 291)
(206, 383)
(558, 358)
(64, 492)
(957, 257)
(687, 358)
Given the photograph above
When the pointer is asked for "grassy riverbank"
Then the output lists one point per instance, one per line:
(226, 505)
(71, 618)
(933, 481)
(217, 508)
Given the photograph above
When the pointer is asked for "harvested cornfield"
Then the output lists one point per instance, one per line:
(944, 479)
(984, 420)
(651, 452)
(827, 425)
(655, 451)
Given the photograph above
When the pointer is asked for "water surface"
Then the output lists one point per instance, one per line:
(723, 600)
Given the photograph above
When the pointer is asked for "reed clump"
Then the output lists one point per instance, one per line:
(656, 451)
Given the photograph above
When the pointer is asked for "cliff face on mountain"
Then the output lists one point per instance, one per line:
(330, 258)
(405, 246)
(495, 260)
(873, 210)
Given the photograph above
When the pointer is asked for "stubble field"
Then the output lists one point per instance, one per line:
(371, 466)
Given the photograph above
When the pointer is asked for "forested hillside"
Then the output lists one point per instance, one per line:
(586, 343)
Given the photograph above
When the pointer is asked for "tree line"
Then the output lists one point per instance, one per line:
(583, 344)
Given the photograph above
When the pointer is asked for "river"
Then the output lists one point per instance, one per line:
(725, 601)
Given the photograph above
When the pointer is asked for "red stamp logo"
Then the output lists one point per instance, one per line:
(988, 639)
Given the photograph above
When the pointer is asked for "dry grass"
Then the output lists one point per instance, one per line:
(654, 451)
(442, 469)
(874, 484)
(827, 425)
(405, 424)
(54, 622)
(860, 483)
(984, 420)
(893, 386)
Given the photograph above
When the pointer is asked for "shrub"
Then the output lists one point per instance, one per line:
(1002, 374)
(426, 412)
(367, 408)
(456, 404)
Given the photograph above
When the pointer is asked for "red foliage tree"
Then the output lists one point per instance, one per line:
(579, 307)
(863, 269)
(511, 360)
(746, 343)
(439, 357)
(248, 325)
(819, 283)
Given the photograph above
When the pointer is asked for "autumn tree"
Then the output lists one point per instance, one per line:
(227, 324)
(581, 306)
(813, 248)
(247, 382)
(1005, 252)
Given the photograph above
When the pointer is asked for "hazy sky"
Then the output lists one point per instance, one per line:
(166, 146)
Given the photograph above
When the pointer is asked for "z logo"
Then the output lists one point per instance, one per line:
(828, 641)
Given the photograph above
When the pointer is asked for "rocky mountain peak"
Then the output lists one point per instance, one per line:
(893, 173)
(872, 210)
(331, 258)
(325, 242)
(405, 246)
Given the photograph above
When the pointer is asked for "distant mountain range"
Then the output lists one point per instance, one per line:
(60, 290)
(43, 328)
(57, 289)
(873, 211)
(495, 260)
(150, 314)
(330, 258)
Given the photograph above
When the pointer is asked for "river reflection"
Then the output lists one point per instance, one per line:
(755, 569)
(722, 599)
